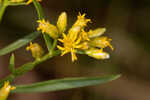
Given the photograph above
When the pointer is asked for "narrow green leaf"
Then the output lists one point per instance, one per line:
(12, 63)
(19, 43)
(48, 41)
(62, 84)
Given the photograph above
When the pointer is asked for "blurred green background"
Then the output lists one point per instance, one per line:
(127, 23)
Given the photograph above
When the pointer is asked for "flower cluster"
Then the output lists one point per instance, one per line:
(5, 90)
(52, 30)
(90, 42)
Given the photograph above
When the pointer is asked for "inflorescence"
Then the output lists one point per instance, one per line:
(77, 39)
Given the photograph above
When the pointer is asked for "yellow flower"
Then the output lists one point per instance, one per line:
(81, 21)
(92, 43)
(71, 42)
(30, 1)
(101, 42)
(5, 90)
(76, 38)
(36, 49)
(96, 53)
(48, 28)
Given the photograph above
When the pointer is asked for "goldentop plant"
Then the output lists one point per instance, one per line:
(75, 41)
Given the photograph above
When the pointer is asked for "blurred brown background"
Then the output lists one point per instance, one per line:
(127, 23)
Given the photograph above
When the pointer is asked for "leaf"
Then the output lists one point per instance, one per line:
(12, 63)
(62, 84)
(19, 43)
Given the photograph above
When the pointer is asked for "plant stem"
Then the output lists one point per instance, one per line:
(41, 16)
(38, 9)
(54, 45)
(28, 67)
(3, 8)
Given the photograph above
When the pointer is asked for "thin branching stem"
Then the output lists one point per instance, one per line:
(3, 8)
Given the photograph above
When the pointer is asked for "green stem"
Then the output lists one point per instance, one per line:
(38, 9)
(41, 16)
(54, 45)
(3, 8)
(28, 67)
(17, 4)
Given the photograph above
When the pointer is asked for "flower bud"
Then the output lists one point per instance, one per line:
(101, 42)
(5, 90)
(97, 54)
(36, 49)
(48, 28)
(97, 32)
(52, 31)
(62, 22)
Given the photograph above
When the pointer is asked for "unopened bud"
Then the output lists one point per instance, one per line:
(52, 31)
(97, 32)
(48, 28)
(97, 54)
(62, 22)
(36, 49)
(101, 42)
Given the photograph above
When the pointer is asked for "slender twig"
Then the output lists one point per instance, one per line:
(3, 8)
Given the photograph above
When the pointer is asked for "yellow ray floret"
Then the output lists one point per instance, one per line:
(5, 90)
(43, 25)
(30, 1)
(71, 45)
(81, 21)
